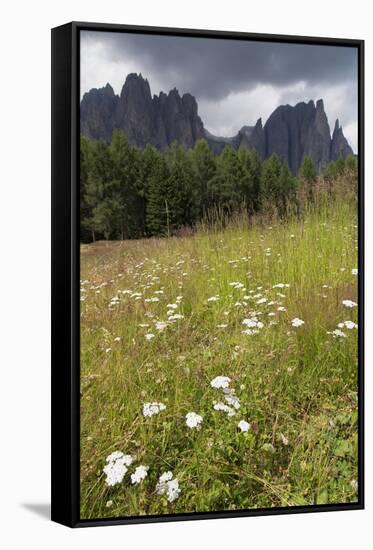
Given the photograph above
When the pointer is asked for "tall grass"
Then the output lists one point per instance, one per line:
(297, 386)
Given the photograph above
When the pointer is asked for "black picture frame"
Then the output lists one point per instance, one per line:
(65, 272)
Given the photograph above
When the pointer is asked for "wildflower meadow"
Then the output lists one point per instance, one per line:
(219, 366)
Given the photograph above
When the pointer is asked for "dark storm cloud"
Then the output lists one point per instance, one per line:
(234, 82)
(212, 69)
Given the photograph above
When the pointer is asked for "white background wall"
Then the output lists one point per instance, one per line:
(25, 272)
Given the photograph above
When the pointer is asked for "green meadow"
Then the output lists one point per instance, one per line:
(268, 303)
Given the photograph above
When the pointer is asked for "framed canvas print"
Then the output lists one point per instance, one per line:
(207, 274)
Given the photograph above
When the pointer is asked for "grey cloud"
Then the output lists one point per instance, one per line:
(222, 73)
(212, 68)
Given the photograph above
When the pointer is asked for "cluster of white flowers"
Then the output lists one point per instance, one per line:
(220, 382)
(161, 325)
(337, 333)
(231, 398)
(175, 317)
(349, 303)
(168, 486)
(152, 300)
(116, 467)
(218, 406)
(297, 322)
(237, 285)
(139, 474)
(114, 301)
(213, 298)
(347, 324)
(149, 409)
(233, 403)
(193, 420)
(252, 324)
(149, 336)
(244, 426)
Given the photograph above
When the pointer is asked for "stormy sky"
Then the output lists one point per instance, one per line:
(234, 82)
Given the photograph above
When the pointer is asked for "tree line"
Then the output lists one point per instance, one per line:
(131, 193)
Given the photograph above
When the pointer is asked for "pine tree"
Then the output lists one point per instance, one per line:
(157, 197)
(271, 179)
(124, 193)
(205, 168)
(309, 175)
(250, 178)
(96, 195)
(224, 190)
(85, 166)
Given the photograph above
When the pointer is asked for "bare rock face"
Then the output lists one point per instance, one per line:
(134, 111)
(290, 132)
(97, 110)
(253, 137)
(157, 120)
(339, 146)
(294, 132)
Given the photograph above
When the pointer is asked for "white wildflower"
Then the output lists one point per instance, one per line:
(236, 284)
(168, 486)
(220, 382)
(350, 325)
(297, 322)
(244, 426)
(149, 409)
(176, 317)
(116, 467)
(149, 336)
(338, 333)
(251, 322)
(225, 408)
(354, 271)
(281, 308)
(349, 303)
(160, 325)
(139, 475)
(222, 325)
(193, 420)
(284, 439)
(213, 298)
(250, 331)
(231, 398)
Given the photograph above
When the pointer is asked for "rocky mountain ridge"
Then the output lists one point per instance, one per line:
(291, 132)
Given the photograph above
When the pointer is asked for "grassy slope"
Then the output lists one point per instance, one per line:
(298, 382)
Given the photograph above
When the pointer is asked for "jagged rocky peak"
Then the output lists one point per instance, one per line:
(290, 131)
(96, 112)
(340, 147)
(135, 84)
(294, 132)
